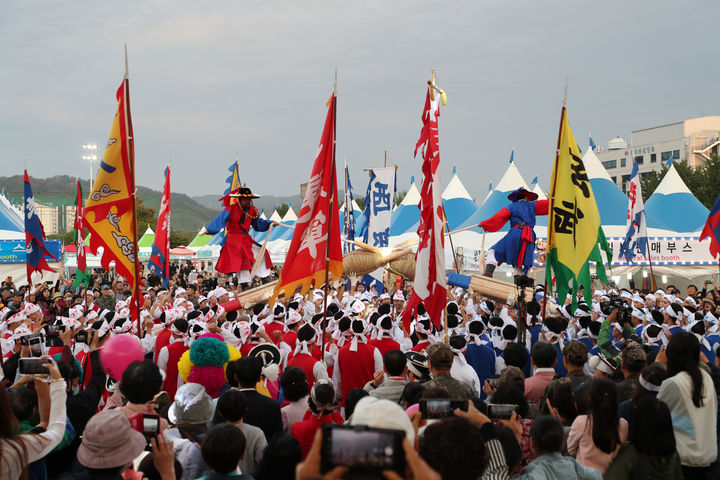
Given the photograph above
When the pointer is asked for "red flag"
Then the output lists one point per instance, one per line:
(160, 255)
(315, 245)
(79, 227)
(430, 284)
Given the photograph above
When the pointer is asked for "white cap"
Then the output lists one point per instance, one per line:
(399, 296)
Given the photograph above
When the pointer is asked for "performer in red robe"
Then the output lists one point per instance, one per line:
(517, 248)
(238, 253)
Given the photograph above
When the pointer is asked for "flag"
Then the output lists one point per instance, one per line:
(110, 210)
(712, 229)
(35, 249)
(160, 254)
(512, 155)
(636, 236)
(233, 182)
(430, 284)
(315, 245)
(81, 276)
(378, 214)
(349, 227)
(669, 160)
(574, 223)
(592, 143)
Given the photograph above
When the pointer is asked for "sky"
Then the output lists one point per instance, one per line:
(209, 79)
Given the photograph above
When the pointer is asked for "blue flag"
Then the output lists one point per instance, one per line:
(34, 236)
(669, 160)
(636, 236)
(592, 144)
(512, 156)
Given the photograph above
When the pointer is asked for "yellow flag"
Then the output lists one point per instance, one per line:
(574, 223)
(109, 213)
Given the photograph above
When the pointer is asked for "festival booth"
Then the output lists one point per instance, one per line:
(12, 247)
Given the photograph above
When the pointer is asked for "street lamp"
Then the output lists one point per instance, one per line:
(89, 154)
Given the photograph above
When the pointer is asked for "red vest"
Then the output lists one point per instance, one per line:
(306, 362)
(385, 345)
(175, 351)
(356, 368)
(272, 327)
(162, 340)
(422, 345)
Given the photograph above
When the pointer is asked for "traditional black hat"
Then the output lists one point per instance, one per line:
(244, 192)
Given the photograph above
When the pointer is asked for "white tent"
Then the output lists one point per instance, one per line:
(457, 202)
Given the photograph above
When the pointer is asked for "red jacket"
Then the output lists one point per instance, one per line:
(385, 345)
(304, 431)
(356, 368)
(175, 351)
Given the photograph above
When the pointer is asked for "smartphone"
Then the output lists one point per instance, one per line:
(493, 382)
(33, 366)
(441, 407)
(25, 339)
(146, 423)
(610, 348)
(36, 346)
(496, 411)
(365, 451)
(56, 329)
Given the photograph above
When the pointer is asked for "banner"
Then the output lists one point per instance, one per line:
(109, 210)
(35, 248)
(315, 244)
(13, 251)
(378, 207)
(574, 229)
(160, 256)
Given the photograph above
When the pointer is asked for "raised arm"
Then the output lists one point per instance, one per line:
(496, 222)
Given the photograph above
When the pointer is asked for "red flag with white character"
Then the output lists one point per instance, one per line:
(430, 284)
(315, 244)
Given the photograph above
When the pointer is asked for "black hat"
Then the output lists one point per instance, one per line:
(244, 192)
(267, 353)
(453, 321)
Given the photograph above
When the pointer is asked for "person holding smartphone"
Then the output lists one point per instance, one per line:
(17, 451)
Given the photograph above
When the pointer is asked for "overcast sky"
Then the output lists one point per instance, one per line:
(211, 78)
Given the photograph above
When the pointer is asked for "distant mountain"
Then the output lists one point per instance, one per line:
(187, 215)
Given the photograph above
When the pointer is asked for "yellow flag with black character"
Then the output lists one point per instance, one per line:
(575, 234)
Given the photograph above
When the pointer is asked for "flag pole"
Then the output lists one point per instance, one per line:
(327, 242)
(131, 163)
(551, 218)
(649, 255)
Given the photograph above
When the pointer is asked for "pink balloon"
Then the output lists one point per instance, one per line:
(119, 352)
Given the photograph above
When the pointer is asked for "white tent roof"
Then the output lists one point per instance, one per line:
(290, 215)
(673, 207)
(455, 188)
(672, 183)
(534, 187)
(511, 180)
(412, 197)
(275, 217)
(149, 231)
(593, 166)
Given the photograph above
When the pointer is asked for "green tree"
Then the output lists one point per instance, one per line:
(361, 202)
(67, 237)
(146, 216)
(178, 238)
(703, 181)
(282, 209)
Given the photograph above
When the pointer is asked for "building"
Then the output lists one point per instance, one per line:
(694, 140)
(56, 219)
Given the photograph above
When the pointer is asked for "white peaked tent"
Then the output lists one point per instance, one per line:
(612, 203)
(11, 221)
(260, 236)
(406, 216)
(498, 198)
(535, 188)
(279, 243)
(357, 213)
(673, 207)
(457, 202)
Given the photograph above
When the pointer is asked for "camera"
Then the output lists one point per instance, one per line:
(365, 451)
(33, 366)
(624, 311)
(81, 336)
(523, 281)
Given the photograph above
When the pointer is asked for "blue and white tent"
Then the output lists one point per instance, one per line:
(673, 207)
(356, 212)
(260, 236)
(534, 187)
(406, 216)
(457, 202)
(11, 221)
(612, 203)
(498, 198)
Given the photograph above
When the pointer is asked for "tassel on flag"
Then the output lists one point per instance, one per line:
(35, 249)
(315, 252)
(430, 285)
(160, 255)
